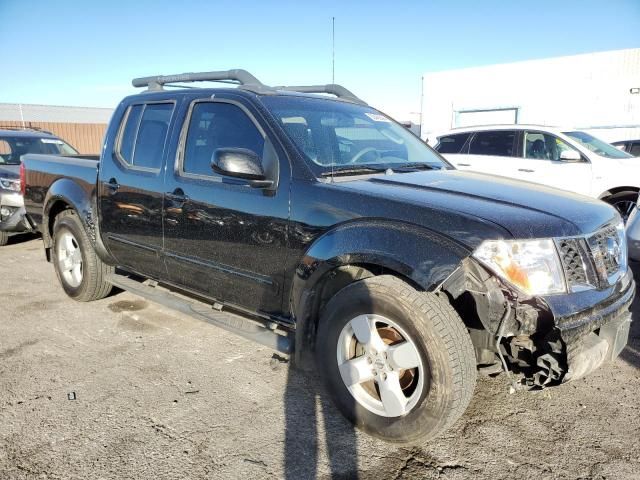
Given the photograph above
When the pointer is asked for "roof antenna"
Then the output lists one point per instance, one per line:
(333, 67)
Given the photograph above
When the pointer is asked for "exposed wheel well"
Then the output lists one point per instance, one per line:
(55, 210)
(615, 190)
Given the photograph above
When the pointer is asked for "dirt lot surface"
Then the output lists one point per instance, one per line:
(122, 388)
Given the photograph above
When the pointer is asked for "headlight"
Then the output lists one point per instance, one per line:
(10, 184)
(532, 266)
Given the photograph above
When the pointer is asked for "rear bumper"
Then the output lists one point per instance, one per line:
(14, 220)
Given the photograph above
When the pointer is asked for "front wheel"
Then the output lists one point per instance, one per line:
(399, 363)
(83, 276)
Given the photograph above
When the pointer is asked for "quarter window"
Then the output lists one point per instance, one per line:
(497, 143)
(215, 125)
(143, 136)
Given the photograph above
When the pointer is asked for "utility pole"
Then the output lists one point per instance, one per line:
(333, 49)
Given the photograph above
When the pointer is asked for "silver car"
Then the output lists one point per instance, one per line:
(633, 234)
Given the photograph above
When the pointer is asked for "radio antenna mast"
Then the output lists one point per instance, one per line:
(333, 49)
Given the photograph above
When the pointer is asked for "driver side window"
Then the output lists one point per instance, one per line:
(544, 146)
(216, 125)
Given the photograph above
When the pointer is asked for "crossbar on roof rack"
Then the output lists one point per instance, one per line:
(331, 88)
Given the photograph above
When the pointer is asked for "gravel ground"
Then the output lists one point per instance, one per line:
(122, 388)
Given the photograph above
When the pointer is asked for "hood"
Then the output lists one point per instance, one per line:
(525, 210)
(10, 171)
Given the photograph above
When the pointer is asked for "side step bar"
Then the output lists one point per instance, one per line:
(244, 327)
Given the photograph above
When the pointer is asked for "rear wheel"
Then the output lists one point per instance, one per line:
(4, 238)
(399, 363)
(82, 274)
(624, 202)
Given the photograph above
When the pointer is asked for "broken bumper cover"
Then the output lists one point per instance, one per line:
(600, 329)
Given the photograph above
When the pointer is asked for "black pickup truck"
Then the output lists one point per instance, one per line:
(322, 228)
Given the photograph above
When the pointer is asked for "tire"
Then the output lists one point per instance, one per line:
(624, 202)
(91, 282)
(4, 238)
(445, 355)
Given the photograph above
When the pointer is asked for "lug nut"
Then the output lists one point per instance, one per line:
(369, 360)
(384, 376)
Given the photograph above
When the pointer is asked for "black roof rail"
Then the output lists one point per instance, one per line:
(238, 76)
(331, 88)
(22, 128)
(246, 81)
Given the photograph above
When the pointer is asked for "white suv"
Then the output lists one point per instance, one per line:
(562, 158)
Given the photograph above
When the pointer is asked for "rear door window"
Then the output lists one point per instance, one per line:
(452, 143)
(143, 135)
(499, 143)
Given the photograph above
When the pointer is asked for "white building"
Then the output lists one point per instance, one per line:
(598, 92)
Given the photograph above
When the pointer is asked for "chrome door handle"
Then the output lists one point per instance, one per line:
(463, 164)
(528, 170)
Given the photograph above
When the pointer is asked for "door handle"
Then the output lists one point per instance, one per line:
(528, 170)
(177, 196)
(112, 185)
(464, 164)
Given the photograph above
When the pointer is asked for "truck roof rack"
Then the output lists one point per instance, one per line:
(331, 88)
(244, 79)
(237, 76)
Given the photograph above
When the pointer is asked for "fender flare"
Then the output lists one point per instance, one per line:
(425, 259)
(68, 192)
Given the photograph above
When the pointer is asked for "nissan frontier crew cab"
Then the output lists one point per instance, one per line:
(324, 229)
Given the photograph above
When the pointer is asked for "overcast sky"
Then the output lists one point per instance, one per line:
(86, 53)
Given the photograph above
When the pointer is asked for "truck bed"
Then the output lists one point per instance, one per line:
(43, 171)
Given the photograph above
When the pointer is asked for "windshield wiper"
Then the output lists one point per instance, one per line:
(347, 170)
(414, 167)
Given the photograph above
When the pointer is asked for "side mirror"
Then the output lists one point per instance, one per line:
(240, 163)
(571, 156)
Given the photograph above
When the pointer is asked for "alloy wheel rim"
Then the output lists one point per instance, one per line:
(625, 207)
(380, 365)
(69, 259)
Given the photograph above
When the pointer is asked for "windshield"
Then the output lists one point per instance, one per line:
(597, 146)
(12, 148)
(335, 135)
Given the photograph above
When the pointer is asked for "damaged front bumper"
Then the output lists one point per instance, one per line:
(541, 341)
(599, 331)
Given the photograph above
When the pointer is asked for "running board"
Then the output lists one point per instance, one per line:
(244, 327)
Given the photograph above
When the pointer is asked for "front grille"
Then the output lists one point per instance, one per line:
(574, 266)
(606, 248)
(597, 260)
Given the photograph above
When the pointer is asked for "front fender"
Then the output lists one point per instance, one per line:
(422, 256)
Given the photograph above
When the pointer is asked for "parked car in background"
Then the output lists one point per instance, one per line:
(568, 159)
(630, 146)
(633, 235)
(320, 226)
(13, 144)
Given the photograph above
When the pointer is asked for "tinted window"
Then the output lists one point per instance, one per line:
(152, 133)
(499, 143)
(452, 143)
(543, 146)
(216, 125)
(128, 135)
(635, 149)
